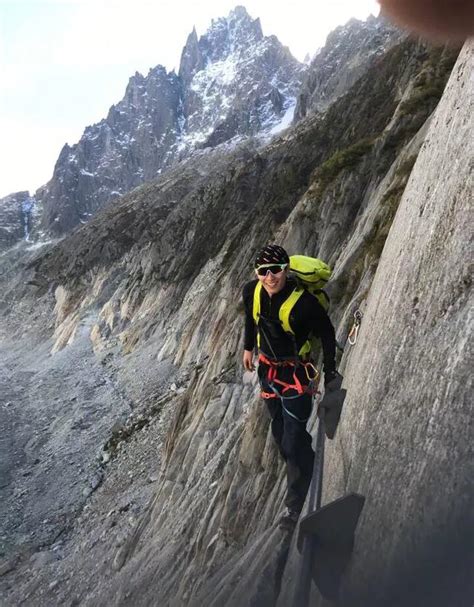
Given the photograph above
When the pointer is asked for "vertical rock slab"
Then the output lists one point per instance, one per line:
(405, 439)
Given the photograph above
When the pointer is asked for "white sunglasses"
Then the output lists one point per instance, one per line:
(273, 268)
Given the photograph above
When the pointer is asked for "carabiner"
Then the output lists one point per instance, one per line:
(354, 332)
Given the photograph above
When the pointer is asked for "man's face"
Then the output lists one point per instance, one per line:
(272, 281)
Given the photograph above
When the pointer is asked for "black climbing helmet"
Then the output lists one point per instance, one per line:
(271, 253)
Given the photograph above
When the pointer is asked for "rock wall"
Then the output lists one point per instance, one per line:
(405, 439)
(349, 50)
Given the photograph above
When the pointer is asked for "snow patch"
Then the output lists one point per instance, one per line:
(286, 119)
(38, 245)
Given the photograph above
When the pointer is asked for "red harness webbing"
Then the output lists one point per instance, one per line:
(311, 388)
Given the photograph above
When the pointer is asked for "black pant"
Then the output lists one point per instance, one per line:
(289, 417)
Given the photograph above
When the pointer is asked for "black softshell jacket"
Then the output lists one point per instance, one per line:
(307, 316)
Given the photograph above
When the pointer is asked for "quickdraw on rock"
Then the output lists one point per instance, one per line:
(311, 371)
(354, 332)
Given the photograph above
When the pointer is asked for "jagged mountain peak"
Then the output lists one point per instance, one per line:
(155, 75)
(237, 27)
(232, 82)
(231, 35)
(239, 12)
(353, 27)
(192, 59)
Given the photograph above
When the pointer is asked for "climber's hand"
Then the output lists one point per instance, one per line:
(248, 360)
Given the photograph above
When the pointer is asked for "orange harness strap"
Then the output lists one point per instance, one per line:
(273, 365)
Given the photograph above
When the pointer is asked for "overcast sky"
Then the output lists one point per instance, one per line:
(63, 63)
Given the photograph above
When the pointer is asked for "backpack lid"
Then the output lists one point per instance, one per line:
(310, 270)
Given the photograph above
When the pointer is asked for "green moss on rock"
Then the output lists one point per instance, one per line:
(429, 84)
(347, 158)
(406, 167)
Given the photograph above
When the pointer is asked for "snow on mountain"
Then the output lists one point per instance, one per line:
(233, 81)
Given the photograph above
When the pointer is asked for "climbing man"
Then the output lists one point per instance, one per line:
(285, 370)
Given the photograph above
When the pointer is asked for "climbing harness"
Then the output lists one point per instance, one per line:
(354, 332)
(274, 364)
(274, 382)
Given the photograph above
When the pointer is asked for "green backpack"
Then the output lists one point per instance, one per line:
(311, 274)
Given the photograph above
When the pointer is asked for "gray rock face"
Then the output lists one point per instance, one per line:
(117, 154)
(411, 378)
(347, 54)
(232, 82)
(405, 440)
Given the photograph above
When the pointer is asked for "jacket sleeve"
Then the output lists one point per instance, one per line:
(322, 326)
(249, 330)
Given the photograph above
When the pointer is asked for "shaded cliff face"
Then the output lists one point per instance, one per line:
(155, 284)
(406, 437)
(232, 82)
(347, 54)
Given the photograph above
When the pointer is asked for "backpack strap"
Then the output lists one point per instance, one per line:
(256, 308)
(286, 307)
(256, 302)
(284, 314)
